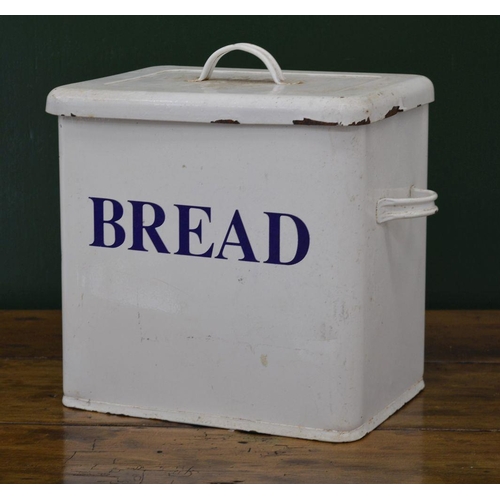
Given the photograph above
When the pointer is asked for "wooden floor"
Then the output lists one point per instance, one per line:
(447, 434)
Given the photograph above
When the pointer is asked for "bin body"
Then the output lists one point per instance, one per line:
(235, 275)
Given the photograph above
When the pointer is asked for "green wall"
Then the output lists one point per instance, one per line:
(461, 55)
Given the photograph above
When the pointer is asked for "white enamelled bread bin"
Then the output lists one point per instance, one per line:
(245, 249)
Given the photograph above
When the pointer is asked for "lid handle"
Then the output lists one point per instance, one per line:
(270, 62)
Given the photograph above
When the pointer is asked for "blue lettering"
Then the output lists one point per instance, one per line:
(243, 241)
(99, 223)
(138, 227)
(275, 238)
(185, 230)
(236, 227)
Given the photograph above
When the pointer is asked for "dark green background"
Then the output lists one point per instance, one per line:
(461, 55)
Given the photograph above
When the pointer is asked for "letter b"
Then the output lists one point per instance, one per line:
(99, 223)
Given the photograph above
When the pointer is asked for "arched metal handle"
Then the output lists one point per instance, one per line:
(421, 204)
(270, 62)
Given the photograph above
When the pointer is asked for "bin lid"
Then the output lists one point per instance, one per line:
(192, 94)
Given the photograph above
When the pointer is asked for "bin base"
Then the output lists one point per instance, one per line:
(240, 424)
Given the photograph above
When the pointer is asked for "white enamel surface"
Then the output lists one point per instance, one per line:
(333, 343)
(172, 93)
(223, 421)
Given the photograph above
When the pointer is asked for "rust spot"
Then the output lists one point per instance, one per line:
(308, 121)
(231, 122)
(394, 111)
(366, 121)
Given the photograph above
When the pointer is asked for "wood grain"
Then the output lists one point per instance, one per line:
(450, 433)
(463, 336)
(80, 454)
(30, 334)
(456, 396)
(31, 392)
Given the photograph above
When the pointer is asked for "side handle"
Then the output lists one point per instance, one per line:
(420, 204)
